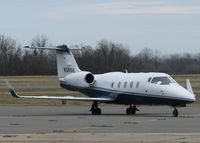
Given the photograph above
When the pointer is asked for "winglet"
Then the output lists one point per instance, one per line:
(188, 86)
(11, 89)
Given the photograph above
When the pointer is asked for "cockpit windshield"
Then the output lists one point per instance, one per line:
(161, 80)
(172, 80)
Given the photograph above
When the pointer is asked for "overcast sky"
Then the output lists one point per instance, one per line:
(170, 26)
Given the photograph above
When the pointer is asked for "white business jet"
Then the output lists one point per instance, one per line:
(116, 87)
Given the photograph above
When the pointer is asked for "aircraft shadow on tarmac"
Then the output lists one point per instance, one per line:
(149, 115)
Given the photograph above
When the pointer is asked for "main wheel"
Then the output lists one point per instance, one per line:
(133, 111)
(94, 112)
(98, 111)
(175, 112)
(128, 111)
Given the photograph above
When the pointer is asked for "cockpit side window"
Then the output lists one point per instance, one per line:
(149, 79)
(161, 80)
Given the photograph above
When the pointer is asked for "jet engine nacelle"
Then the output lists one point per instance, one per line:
(80, 79)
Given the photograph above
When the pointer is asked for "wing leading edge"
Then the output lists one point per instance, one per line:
(14, 94)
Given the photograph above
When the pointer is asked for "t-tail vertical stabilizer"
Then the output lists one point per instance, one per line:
(66, 64)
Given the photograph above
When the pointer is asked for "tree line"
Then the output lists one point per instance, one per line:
(107, 56)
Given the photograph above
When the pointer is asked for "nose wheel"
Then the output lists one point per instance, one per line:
(94, 109)
(175, 112)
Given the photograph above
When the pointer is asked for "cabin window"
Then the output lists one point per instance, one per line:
(125, 84)
(119, 84)
(112, 85)
(137, 84)
(131, 84)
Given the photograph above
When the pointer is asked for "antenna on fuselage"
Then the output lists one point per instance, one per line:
(126, 71)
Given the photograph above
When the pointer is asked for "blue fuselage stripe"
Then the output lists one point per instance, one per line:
(127, 97)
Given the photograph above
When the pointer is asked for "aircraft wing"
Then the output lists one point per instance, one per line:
(14, 94)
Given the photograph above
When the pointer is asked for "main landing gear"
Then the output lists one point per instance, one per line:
(131, 110)
(94, 109)
(175, 112)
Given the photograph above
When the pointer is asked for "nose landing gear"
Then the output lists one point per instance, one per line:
(175, 112)
(94, 109)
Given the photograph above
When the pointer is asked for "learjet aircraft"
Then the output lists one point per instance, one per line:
(131, 89)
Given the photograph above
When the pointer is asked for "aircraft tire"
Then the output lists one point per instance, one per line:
(175, 112)
(133, 111)
(128, 111)
(96, 111)
(93, 112)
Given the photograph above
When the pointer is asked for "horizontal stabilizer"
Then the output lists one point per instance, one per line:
(64, 48)
(42, 48)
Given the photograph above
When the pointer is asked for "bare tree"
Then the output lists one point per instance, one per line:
(7, 49)
(39, 58)
(105, 57)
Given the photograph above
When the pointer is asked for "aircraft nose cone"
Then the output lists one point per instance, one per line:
(189, 96)
(192, 97)
(181, 92)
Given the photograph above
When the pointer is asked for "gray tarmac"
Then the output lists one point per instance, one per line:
(77, 119)
(61, 124)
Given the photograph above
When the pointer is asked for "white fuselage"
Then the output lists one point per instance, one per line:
(137, 88)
